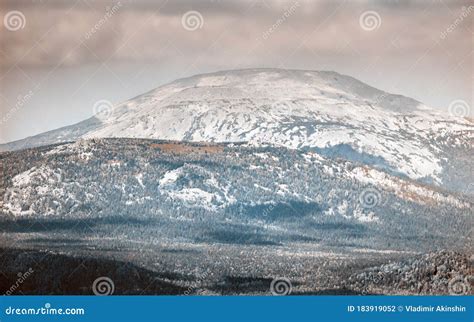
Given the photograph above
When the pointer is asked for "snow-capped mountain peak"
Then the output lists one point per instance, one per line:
(331, 113)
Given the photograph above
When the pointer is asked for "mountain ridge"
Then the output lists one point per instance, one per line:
(323, 110)
(226, 181)
(22, 143)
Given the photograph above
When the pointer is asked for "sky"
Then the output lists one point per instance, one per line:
(58, 58)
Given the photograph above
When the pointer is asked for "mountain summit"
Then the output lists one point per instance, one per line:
(333, 114)
(240, 176)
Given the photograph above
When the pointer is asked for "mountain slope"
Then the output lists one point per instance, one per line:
(336, 115)
(225, 193)
(313, 176)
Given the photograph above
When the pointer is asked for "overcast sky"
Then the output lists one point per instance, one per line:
(58, 57)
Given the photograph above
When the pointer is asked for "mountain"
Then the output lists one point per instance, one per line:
(223, 182)
(333, 114)
(225, 218)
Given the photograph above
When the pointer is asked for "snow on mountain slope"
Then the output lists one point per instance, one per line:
(335, 114)
(189, 192)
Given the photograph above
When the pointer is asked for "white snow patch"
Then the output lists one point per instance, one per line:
(139, 178)
(196, 197)
(171, 177)
(362, 217)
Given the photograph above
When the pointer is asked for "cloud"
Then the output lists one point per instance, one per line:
(139, 31)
